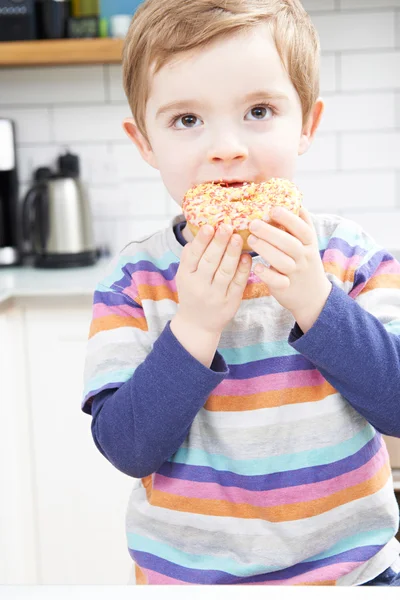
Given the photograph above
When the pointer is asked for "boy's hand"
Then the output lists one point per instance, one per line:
(296, 277)
(211, 279)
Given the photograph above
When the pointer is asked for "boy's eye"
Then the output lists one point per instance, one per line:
(185, 121)
(259, 113)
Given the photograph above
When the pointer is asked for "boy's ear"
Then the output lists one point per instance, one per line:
(141, 143)
(310, 128)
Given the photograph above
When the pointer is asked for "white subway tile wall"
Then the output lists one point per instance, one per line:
(352, 169)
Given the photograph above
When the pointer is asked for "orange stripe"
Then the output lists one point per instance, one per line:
(141, 578)
(259, 289)
(115, 321)
(270, 399)
(339, 272)
(275, 514)
(163, 292)
(156, 292)
(148, 485)
(382, 281)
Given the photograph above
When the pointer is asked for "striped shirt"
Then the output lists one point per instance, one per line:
(269, 467)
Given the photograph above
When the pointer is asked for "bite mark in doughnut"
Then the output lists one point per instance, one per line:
(218, 203)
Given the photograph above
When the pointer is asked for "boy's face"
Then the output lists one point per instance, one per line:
(237, 116)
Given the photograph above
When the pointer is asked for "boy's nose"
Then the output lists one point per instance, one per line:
(227, 151)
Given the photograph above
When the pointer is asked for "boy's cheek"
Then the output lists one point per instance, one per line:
(177, 179)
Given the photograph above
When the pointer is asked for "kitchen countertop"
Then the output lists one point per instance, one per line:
(25, 281)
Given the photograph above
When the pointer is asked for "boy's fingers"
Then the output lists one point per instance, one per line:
(214, 253)
(241, 278)
(193, 252)
(295, 225)
(229, 263)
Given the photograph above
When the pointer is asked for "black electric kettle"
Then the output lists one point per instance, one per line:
(56, 217)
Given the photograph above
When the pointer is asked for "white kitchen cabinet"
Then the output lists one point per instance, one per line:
(73, 501)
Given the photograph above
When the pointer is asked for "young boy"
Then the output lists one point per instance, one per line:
(248, 401)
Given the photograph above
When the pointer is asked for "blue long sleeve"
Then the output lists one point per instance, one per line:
(140, 425)
(354, 352)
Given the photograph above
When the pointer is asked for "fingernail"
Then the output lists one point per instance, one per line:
(255, 225)
(225, 229)
(276, 212)
(235, 241)
(207, 230)
(259, 269)
(252, 240)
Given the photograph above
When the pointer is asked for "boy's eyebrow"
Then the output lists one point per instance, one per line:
(253, 97)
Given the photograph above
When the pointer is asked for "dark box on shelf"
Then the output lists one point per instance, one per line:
(17, 21)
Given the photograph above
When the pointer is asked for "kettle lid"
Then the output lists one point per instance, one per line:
(68, 165)
(42, 174)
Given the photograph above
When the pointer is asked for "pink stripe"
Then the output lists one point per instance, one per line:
(155, 578)
(390, 267)
(358, 289)
(335, 256)
(278, 497)
(123, 310)
(329, 573)
(156, 279)
(268, 383)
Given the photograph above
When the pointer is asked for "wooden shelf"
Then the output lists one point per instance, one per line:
(61, 52)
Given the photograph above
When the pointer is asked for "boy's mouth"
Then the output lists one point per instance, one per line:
(231, 183)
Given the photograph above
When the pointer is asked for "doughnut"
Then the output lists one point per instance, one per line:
(217, 203)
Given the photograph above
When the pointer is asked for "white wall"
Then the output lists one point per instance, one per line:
(353, 168)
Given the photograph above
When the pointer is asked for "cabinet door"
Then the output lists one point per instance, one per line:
(81, 497)
(18, 556)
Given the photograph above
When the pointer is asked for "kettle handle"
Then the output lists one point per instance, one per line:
(30, 214)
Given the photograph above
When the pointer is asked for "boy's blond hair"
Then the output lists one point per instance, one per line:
(163, 29)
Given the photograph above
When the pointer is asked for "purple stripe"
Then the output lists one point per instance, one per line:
(114, 299)
(345, 248)
(274, 481)
(129, 269)
(195, 576)
(268, 366)
(361, 554)
(364, 273)
(209, 577)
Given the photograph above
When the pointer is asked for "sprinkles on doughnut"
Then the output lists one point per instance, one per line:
(218, 203)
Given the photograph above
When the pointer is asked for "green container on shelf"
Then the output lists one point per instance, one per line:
(85, 19)
(85, 8)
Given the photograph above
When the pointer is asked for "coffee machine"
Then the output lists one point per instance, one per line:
(10, 245)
